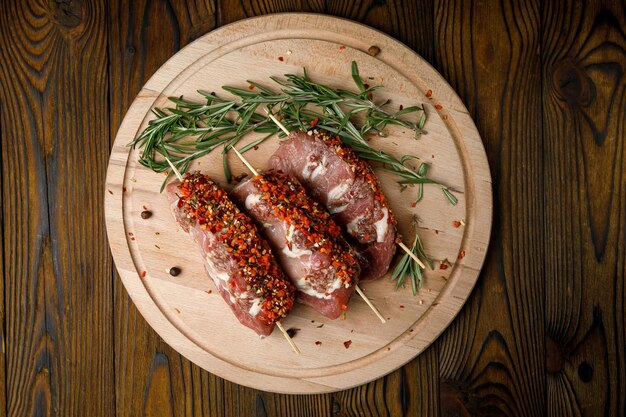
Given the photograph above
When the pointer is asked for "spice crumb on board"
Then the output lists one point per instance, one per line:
(462, 254)
(292, 332)
(342, 47)
(146, 214)
(281, 59)
(143, 274)
(438, 106)
(110, 192)
(157, 233)
(373, 50)
(320, 326)
(124, 189)
(401, 306)
(157, 246)
(209, 291)
(347, 343)
(429, 93)
(318, 343)
(458, 223)
(176, 310)
(250, 87)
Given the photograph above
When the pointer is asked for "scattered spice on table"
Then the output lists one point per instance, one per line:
(292, 332)
(318, 343)
(347, 343)
(146, 214)
(143, 274)
(373, 50)
(174, 271)
(429, 93)
(320, 326)
(462, 254)
(280, 58)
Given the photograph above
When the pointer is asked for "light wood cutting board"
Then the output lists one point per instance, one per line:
(187, 311)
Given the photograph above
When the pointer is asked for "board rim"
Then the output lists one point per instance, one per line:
(164, 326)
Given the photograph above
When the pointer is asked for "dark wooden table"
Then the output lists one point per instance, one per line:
(543, 332)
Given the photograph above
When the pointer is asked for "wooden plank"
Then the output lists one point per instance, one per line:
(151, 377)
(493, 356)
(3, 375)
(585, 196)
(58, 292)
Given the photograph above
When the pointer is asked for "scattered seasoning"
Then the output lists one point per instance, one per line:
(320, 326)
(146, 214)
(157, 246)
(207, 205)
(443, 266)
(124, 189)
(174, 271)
(366, 85)
(318, 343)
(429, 93)
(410, 330)
(414, 204)
(347, 343)
(315, 121)
(388, 348)
(438, 106)
(281, 59)
(456, 224)
(344, 307)
(250, 87)
(433, 156)
(401, 306)
(343, 316)
(256, 147)
(373, 50)
(436, 231)
(209, 291)
(110, 192)
(144, 207)
(143, 274)
(401, 107)
(132, 238)
(157, 233)
(176, 310)
(342, 47)
(292, 332)
(130, 233)
(462, 254)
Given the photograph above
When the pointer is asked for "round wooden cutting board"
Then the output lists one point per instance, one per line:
(189, 314)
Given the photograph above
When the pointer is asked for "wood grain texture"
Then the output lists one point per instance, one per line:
(493, 354)
(151, 377)
(58, 289)
(584, 102)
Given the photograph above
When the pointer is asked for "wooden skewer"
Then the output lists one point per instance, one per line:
(411, 254)
(278, 324)
(402, 245)
(361, 293)
(278, 123)
(176, 171)
(289, 339)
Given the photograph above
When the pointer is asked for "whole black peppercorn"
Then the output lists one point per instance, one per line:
(174, 271)
(146, 214)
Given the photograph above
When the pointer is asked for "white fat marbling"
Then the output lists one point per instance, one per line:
(296, 252)
(314, 168)
(381, 226)
(352, 226)
(336, 193)
(252, 200)
(305, 286)
(255, 308)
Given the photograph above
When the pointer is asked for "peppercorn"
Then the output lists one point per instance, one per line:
(146, 214)
(174, 271)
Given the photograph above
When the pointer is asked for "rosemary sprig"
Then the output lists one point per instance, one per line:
(406, 266)
(191, 130)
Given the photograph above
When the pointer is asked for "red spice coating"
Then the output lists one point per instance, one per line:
(208, 205)
(289, 201)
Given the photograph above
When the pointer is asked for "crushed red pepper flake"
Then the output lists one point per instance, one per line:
(401, 107)
(443, 266)
(429, 93)
(315, 121)
(438, 106)
(143, 274)
(110, 192)
(347, 343)
(462, 254)
(123, 189)
(250, 87)
(207, 205)
(209, 292)
(342, 47)
(456, 224)
(344, 307)
(318, 343)
(281, 59)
